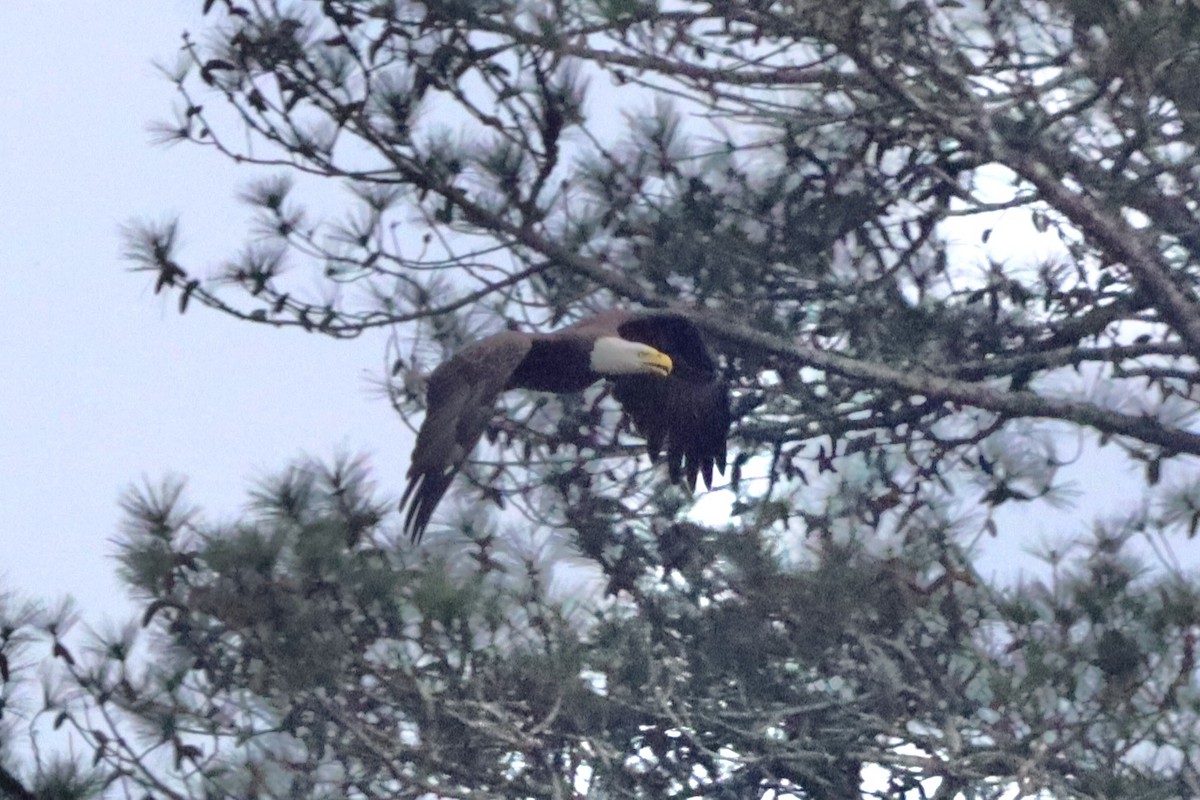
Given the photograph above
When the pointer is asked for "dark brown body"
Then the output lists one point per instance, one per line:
(687, 412)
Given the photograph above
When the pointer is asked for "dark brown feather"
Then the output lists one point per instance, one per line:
(686, 413)
(461, 398)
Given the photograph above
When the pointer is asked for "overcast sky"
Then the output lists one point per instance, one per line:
(102, 382)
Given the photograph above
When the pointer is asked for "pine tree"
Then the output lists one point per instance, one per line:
(938, 246)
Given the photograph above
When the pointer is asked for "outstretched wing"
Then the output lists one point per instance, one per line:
(461, 398)
(686, 413)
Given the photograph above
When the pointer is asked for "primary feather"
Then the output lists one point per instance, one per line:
(685, 412)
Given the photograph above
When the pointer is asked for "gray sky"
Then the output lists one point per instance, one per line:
(104, 383)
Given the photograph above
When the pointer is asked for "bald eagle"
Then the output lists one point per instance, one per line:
(663, 376)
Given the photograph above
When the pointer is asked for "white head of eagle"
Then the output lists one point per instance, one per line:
(612, 355)
(662, 375)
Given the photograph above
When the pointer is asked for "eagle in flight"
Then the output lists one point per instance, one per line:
(662, 373)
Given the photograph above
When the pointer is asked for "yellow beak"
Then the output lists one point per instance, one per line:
(658, 362)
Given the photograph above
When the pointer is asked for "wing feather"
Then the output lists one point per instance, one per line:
(687, 413)
(460, 401)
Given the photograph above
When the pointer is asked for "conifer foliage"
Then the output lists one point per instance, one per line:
(945, 251)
